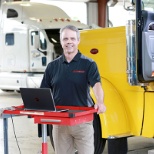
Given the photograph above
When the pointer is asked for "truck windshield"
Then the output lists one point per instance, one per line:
(54, 38)
(148, 5)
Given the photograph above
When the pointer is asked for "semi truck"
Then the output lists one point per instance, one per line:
(29, 40)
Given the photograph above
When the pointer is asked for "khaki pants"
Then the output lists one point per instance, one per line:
(68, 138)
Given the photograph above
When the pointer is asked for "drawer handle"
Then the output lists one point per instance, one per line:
(50, 120)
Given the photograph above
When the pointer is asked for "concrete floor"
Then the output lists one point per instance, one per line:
(26, 132)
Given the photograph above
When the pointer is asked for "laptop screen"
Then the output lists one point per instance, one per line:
(38, 99)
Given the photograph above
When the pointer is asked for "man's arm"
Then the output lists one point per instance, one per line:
(99, 94)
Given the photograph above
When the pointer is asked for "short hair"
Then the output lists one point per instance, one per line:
(71, 27)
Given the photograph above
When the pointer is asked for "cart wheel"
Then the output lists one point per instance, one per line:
(99, 142)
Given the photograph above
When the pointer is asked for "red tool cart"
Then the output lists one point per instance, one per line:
(73, 116)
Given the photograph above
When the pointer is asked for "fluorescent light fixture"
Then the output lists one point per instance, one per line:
(53, 40)
(112, 3)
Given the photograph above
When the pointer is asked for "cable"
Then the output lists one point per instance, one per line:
(15, 134)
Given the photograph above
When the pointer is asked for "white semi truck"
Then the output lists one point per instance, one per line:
(29, 40)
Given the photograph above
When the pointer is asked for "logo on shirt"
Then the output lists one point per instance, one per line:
(78, 71)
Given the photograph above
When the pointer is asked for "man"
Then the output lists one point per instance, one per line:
(70, 77)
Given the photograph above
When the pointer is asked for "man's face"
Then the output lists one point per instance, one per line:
(69, 41)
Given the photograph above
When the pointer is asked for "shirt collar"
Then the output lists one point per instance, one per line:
(76, 58)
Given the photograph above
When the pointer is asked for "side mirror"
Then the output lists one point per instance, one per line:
(133, 2)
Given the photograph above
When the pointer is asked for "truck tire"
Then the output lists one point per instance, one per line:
(118, 146)
(7, 90)
(99, 142)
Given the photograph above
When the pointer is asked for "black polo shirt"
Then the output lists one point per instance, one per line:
(70, 82)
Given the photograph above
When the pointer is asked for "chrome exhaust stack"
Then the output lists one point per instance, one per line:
(131, 53)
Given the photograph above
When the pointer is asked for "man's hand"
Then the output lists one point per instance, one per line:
(99, 94)
(101, 108)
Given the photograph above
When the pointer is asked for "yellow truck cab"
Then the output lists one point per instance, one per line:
(125, 58)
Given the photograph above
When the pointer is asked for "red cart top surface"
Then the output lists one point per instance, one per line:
(72, 112)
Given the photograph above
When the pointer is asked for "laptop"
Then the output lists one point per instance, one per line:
(39, 99)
